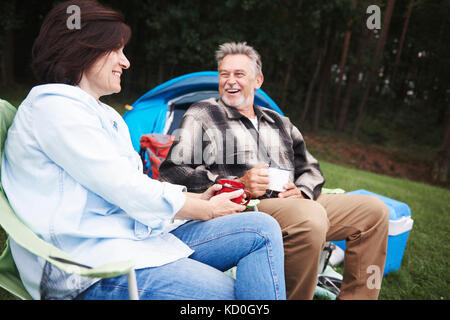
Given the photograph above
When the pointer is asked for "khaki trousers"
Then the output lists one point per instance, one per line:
(306, 225)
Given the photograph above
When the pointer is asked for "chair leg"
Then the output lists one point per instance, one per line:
(132, 285)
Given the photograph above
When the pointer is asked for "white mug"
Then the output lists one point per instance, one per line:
(278, 178)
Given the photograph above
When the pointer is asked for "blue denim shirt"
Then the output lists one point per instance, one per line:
(71, 174)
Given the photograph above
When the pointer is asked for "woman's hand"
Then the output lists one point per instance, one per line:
(206, 206)
(208, 194)
(221, 205)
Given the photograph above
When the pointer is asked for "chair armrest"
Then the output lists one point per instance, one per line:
(109, 270)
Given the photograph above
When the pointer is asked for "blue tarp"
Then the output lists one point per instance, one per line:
(149, 112)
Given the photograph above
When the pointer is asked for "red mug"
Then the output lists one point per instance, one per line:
(230, 186)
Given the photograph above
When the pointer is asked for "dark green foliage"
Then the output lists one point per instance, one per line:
(171, 38)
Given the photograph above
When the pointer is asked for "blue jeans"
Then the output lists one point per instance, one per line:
(251, 241)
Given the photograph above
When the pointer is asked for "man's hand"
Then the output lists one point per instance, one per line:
(292, 192)
(256, 180)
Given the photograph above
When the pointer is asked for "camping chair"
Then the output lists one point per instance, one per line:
(23, 236)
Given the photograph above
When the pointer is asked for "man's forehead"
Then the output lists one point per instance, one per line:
(235, 63)
(233, 70)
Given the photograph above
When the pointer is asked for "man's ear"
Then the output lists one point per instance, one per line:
(259, 81)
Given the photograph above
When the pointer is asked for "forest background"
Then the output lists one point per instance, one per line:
(372, 99)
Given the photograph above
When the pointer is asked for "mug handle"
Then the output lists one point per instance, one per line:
(249, 197)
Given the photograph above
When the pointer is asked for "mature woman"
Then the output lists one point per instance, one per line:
(71, 174)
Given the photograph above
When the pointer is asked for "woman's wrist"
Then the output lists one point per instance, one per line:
(195, 209)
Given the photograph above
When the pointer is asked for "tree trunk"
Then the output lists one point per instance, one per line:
(441, 169)
(322, 92)
(348, 35)
(313, 81)
(402, 40)
(317, 106)
(352, 81)
(290, 64)
(374, 72)
(287, 78)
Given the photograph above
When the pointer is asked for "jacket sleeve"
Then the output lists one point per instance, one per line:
(308, 176)
(189, 158)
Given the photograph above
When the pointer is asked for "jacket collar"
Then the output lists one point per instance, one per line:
(232, 113)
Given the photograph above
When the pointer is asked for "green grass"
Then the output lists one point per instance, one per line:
(424, 273)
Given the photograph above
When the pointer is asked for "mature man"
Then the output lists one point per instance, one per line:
(232, 138)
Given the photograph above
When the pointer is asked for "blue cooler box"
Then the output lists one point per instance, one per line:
(400, 224)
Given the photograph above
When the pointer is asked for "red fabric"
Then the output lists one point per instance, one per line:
(156, 146)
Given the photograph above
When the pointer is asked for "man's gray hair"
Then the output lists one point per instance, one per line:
(240, 48)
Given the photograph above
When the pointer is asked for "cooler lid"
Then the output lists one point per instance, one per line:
(397, 209)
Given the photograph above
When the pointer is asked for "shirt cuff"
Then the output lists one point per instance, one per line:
(174, 195)
(227, 178)
(306, 192)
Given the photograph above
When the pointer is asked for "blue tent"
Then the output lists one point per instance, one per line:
(161, 109)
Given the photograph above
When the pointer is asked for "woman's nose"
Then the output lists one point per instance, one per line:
(124, 63)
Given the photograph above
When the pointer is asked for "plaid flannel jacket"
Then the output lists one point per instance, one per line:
(215, 141)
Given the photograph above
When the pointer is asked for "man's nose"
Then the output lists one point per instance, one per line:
(231, 80)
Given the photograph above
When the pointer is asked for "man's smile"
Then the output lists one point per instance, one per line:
(232, 90)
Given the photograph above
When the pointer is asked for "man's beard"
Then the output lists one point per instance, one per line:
(237, 104)
(241, 103)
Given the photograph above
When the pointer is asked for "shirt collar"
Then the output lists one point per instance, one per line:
(232, 113)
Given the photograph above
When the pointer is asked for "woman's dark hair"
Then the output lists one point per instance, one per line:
(62, 53)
